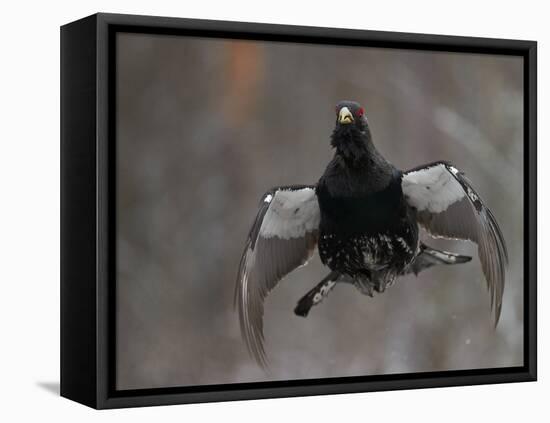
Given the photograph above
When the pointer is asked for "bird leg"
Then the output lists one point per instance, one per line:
(316, 295)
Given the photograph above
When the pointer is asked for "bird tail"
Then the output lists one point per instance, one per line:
(429, 257)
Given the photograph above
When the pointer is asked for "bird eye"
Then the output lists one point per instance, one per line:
(360, 112)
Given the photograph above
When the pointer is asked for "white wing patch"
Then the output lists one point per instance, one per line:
(282, 238)
(291, 214)
(449, 207)
(433, 188)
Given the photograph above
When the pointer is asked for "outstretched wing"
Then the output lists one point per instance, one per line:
(448, 207)
(282, 238)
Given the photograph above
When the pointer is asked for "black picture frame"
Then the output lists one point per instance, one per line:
(88, 211)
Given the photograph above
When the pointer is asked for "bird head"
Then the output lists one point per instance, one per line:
(351, 113)
(351, 134)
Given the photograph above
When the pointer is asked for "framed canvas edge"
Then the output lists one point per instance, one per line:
(322, 387)
(108, 398)
(78, 219)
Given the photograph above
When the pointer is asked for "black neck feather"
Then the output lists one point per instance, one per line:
(351, 143)
(356, 148)
(355, 151)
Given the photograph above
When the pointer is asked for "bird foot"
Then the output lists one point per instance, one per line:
(315, 296)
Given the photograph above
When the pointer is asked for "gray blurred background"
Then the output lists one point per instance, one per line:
(206, 126)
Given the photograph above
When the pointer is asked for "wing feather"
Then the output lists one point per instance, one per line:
(448, 207)
(283, 237)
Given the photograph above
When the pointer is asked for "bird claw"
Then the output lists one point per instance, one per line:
(314, 296)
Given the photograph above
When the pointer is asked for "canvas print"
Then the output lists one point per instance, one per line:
(304, 211)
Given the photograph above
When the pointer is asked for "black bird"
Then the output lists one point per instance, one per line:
(364, 216)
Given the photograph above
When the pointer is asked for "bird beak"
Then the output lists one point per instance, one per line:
(345, 116)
